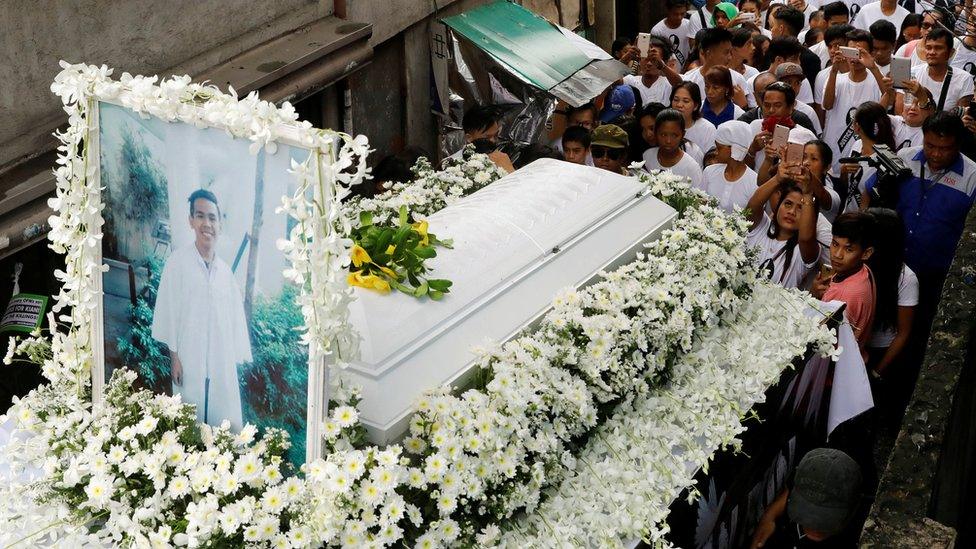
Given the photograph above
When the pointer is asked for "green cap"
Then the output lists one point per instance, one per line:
(611, 136)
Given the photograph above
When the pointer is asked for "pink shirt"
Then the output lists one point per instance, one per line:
(857, 291)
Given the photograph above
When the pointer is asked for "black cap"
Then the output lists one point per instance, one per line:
(825, 491)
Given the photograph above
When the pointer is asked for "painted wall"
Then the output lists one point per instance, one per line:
(137, 36)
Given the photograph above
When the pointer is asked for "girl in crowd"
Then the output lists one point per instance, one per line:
(686, 99)
(787, 240)
(730, 180)
(873, 127)
(760, 42)
(897, 292)
(669, 132)
(723, 14)
(743, 53)
(718, 107)
(817, 159)
(647, 121)
(911, 29)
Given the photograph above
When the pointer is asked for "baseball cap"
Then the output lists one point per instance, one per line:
(788, 69)
(620, 101)
(826, 490)
(609, 135)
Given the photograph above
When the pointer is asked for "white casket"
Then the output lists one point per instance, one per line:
(517, 242)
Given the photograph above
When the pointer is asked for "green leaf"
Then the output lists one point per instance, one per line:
(425, 252)
(435, 295)
(401, 235)
(365, 218)
(421, 290)
(440, 284)
(383, 240)
(403, 216)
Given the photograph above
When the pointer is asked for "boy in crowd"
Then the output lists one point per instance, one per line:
(656, 77)
(576, 145)
(885, 36)
(674, 28)
(609, 148)
(835, 13)
(788, 22)
(850, 280)
(716, 49)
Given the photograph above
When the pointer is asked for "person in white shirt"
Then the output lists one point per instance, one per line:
(686, 100)
(730, 180)
(835, 13)
(806, 7)
(896, 290)
(701, 19)
(674, 29)
(787, 239)
(779, 100)
(576, 145)
(648, 119)
(918, 107)
(716, 49)
(669, 129)
(787, 50)
(887, 10)
(884, 35)
(653, 86)
(835, 37)
(199, 315)
(743, 53)
(949, 87)
(843, 93)
(915, 50)
(855, 7)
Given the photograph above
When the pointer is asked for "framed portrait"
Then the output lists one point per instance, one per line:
(193, 298)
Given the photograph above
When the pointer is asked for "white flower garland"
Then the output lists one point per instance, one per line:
(133, 466)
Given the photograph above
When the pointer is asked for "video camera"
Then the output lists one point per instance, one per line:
(891, 172)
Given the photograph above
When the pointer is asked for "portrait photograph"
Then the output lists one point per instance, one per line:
(194, 297)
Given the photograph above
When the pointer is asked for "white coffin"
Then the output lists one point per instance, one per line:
(517, 242)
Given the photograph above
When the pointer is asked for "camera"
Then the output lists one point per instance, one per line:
(891, 172)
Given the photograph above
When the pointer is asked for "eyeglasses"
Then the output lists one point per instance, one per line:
(612, 154)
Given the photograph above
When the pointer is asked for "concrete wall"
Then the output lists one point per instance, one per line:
(137, 36)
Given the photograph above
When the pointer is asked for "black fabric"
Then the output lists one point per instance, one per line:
(811, 65)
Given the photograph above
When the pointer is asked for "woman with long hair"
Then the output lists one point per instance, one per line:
(787, 239)
(873, 127)
(669, 130)
(686, 99)
(911, 29)
(743, 53)
(817, 159)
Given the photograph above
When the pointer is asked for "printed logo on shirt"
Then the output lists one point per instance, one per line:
(903, 144)
(855, 9)
(850, 115)
(676, 49)
(970, 67)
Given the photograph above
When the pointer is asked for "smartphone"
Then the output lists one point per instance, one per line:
(747, 16)
(826, 271)
(794, 153)
(901, 71)
(781, 136)
(853, 53)
(643, 43)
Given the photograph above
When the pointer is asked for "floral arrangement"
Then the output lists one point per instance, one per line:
(134, 469)
(386, 256)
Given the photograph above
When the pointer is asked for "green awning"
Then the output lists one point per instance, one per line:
(524, 42)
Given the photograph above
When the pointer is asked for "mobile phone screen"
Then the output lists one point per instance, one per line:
(781, 135)
(851, 53)
(643, 43)
(901, 71)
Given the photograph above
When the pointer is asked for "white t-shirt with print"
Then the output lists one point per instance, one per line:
(855, 7)
(872, 12)
(848, 96)
(701, 133)
(658, 92)
(787, 275)
(907, 297)
(678, 38)
(905, 135)
(964, 60)
(960, 86)
(730, 194)
(686, 167)
(857, 180)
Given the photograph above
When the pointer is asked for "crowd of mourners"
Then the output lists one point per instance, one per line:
(784, 108)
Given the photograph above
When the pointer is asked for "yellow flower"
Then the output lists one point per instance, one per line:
(389, 272)
(390, 249)
(421, 227)
(370, 282)
(360, 256)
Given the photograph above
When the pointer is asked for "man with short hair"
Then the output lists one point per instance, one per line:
(836, 13)
(674, 30)
(789, 21)
(652, 85)
(792, 74)
(779, 102)
(887, 10)
(576, 145)
(788, 50)
(950, 87)
(701, 19)
(481, 122)
(716, 49)
(608, 147)
(885, 36)
(915, 50)
(843, 93)
(199, 316)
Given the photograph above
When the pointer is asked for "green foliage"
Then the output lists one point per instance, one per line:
(143, 188)
(395, 255)
(140, 352)
(274, 387)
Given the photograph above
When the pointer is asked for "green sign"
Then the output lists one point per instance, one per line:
(24, 313)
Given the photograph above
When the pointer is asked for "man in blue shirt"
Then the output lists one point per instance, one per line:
(934, 203)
